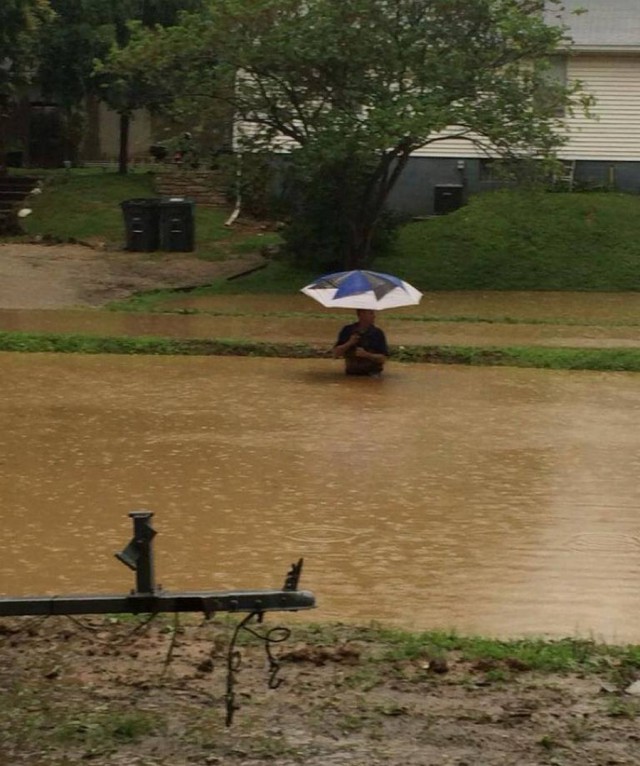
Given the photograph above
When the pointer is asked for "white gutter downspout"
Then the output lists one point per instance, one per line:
(236, 211)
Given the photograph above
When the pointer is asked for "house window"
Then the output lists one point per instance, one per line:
(556, 77)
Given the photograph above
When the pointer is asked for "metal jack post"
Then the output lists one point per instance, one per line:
(138, 555)
(146, 598)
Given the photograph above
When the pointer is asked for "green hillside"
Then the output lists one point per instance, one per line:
(525, 241)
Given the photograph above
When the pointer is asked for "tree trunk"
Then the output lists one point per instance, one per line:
(3, 144)
(363, 225)
(373, 203)
(359, 252)
(123, 159)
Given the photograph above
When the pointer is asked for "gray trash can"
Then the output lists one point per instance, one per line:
(141, 223)
(177, 224)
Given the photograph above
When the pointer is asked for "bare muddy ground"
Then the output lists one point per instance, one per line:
(36, 276)
(102, 691)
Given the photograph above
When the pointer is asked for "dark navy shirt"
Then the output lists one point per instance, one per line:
(372, 340)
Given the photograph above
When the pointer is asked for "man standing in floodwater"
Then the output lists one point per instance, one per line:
(363, 345)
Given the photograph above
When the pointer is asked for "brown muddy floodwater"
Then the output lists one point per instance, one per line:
(498, 501)
(592, 307)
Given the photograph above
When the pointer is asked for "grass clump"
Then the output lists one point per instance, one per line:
(88, 344)
(613, 359)
(617, 708)
(29, 714)
(539, 654)
(604, 359)
(506, 240)
(279, 277)
(85, 206)
(103, 728)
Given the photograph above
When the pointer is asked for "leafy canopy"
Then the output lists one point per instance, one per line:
(20, 21)
(364, 83)
(379, 74)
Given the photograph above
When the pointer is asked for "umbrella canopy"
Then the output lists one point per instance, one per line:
(362, 290)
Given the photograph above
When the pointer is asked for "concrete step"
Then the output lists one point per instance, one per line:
(13, 192)
(23, 183)
(12, 195)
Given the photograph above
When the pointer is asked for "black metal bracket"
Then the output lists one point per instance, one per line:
(147, 598)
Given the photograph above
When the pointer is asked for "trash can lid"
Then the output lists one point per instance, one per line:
(141, 201)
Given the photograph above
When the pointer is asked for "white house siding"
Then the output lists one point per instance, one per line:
(611, 134)
(454, 147)
(614, 135)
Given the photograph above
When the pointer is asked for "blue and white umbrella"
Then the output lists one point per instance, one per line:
(362, 290)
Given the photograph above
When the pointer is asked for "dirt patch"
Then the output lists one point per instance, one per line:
(36, 276)
(103, 691)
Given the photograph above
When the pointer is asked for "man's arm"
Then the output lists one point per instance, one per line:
(377, 350)
(342, 346)
(371, 355)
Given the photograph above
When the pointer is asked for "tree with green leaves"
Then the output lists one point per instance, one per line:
(156, 68)
(350, 89)
(81, 33)
(126, 92)
(20, 22)
(82, 36)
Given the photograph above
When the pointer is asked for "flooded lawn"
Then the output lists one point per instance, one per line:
(589, 307)
(578, 320)
(498, 501)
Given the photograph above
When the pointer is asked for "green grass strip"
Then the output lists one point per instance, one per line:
(606, 359)
(88, 344)
(538, 653)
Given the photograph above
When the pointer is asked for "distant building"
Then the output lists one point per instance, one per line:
(602, 151)
(38, 133)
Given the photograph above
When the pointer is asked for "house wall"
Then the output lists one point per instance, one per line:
(417, 190)
(604, 147)
(618, 176)
(102, 140)
(613, 134)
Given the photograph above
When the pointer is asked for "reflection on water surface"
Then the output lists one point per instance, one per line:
(501, 501)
